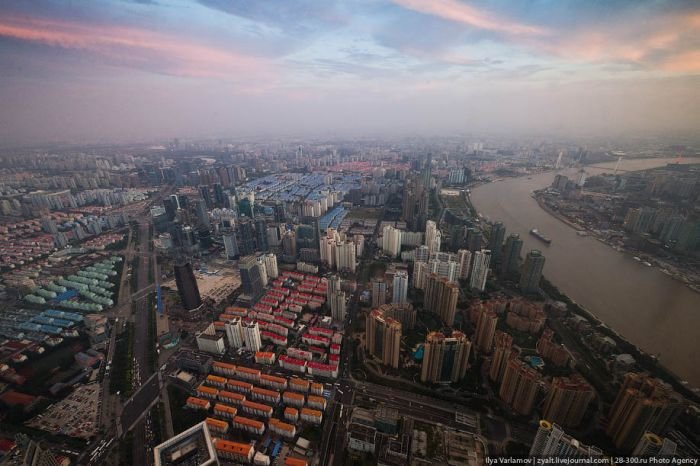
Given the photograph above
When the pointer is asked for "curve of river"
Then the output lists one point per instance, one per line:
(658, 314)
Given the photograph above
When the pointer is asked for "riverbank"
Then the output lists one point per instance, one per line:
(644, 360)
(671, 270)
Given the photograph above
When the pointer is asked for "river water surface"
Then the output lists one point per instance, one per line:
(653, 311)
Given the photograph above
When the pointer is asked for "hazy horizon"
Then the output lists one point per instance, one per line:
(157, 69)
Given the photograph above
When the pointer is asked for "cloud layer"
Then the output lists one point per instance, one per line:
(286, 65)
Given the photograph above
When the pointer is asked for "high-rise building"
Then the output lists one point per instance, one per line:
(653, 446)
(445, 359)
(474, 239)
(383, 337)
(552, 442)
(404, 313)
(338, 306)
(289, 246)
(480, 269)
(336, 298)
(485, 329)
(532, 272)
(391, 241)
(230, 244)
(187, 286)
(246, 232)
(251, 276)
(511, 255)
(643, 404)
(400, 288)
(520, 386)
(234, 333)
(203, 214)
(498, 233)
(264, 280)
(345, 254)
(378, 292)
(261, 235)
(433, 237)
(420, 274)
(464, 259)
(271, 266)
(441, 298)
(503, 351)
(251, 336)
(567, 401)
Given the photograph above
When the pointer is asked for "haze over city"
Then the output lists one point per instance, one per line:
(119, 70)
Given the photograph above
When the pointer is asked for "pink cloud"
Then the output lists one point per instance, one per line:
(453, 10)
(136, 47)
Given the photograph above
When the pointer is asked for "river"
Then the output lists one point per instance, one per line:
(653, 311)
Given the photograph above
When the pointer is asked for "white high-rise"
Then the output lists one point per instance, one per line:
(336, 298)
(345, 255)
(400, 288)
(262, 266)
(552, 442)
(271, 265)
(234, 335)
(391, 241)
(420, 270)
(430, 232)
(464, 258)
(480, 269)
(251, 336)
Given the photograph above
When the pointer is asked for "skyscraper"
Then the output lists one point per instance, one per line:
(511, 255)
(653, 446)
(251, 336)
(400, 288)
(234, 333)
(642, 404)
(519, 387)
(230, 244)
(251, 276)
(391, 241)
(485, 329)
(261, 235)
(441, 298)
(271, 266)
(503, 351)
(445, 359)
(345, 253)
(532, 272)
(464, 258)
(432, 237)
(552, 442)
(246, 245)
(378, 292)
(336, 298)
(480, 269)
(203, 214)
(567, 401)
(187, 286)
(383, 338)
(474, 239)
(498, 232)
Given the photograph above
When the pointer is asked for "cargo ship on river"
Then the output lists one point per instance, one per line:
(535, 232)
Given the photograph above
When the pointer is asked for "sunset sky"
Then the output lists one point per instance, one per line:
(141, 70)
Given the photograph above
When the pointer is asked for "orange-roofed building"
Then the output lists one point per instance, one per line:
(278, 383)
(242, 452)
(231, 397)
(217, 425)
(271, 396)
(239, 385)
(216, 381)
(293, 398)
(222, 368)
(317, 388)
(264, 357)
(249, 425)
(226, 411)
(257, 409)
(282, 428)
(291, 414)
(207, 392)
(311, 415)
(292, 461)
(197, 403)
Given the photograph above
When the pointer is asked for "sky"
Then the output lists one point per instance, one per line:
(142, 70)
